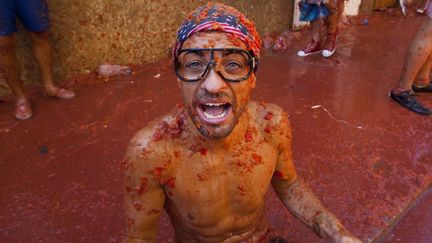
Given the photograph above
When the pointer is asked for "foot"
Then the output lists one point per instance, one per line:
(23, 109)
(60, 93)
(330, 44)
(409, 101)
(422, 88)
(313, 48)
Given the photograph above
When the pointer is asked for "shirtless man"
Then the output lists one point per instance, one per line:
(210, 161)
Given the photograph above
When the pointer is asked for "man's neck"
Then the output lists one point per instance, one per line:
(236, 134)
(238, 131)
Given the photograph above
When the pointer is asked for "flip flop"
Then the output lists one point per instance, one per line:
(62, 94)
(23, 110)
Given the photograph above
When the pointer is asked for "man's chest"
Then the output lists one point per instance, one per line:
(233, 179)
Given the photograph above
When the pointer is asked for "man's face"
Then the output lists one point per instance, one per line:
(214, 104)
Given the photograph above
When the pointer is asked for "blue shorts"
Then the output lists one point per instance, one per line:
(33, 14)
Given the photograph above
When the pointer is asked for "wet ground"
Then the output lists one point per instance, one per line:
(365, 157)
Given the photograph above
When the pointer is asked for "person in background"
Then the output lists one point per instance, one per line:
(34, 16)
(423, 7)
(415, 76)
(324, 16)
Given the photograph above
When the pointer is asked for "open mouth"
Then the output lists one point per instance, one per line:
(214, 113)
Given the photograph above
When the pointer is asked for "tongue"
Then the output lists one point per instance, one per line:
(213, 110)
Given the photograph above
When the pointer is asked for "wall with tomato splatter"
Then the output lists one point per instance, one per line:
(87, 33)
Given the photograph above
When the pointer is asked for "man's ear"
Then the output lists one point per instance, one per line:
(252, 80)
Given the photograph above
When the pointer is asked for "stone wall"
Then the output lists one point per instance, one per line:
(86, 33)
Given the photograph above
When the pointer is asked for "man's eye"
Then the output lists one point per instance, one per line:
(194, 65)
(233, 65)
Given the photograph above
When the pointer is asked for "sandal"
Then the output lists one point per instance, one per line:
(61, 94)
(23, 110)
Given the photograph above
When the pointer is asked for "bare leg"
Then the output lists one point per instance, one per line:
(416, 63)
(336, 8)
(316, 28)
(418, 53)
(423, 77)
(43, 53)
(10, 70)
(9, 65)
(341, 6)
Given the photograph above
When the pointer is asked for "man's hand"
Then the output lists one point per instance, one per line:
(345, 238)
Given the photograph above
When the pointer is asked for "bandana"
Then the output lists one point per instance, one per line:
(223, 18)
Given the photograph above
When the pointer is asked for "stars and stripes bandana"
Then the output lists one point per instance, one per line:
(219, 17)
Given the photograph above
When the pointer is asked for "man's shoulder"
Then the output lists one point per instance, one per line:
(271, 120)
(265, 113)
(159, 134)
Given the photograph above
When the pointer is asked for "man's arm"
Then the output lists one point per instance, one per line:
(303, 204)
(297, 196)
(144, 196)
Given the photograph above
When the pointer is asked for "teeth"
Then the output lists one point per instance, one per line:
(215, 117)
(215, 104)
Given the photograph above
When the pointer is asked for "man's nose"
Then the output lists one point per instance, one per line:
(213, 82)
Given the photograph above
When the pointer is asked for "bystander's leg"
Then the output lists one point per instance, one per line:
(10, 70)
(43, 53)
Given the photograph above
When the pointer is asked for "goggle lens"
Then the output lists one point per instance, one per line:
(232, 64)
